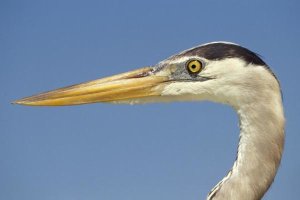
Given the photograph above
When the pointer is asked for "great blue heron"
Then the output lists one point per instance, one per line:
(221, 72)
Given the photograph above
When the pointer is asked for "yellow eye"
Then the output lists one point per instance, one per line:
(194, 66)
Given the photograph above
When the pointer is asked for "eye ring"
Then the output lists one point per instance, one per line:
(194, 66)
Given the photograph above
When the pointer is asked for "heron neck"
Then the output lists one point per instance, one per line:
(259, 152)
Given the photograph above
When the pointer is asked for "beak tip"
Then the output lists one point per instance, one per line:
(19, 102)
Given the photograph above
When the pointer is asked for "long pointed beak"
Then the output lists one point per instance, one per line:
(131, 85)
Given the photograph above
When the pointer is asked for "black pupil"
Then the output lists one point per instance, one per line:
(194, 66)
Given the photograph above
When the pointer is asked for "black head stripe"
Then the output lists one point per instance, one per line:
(219, 51)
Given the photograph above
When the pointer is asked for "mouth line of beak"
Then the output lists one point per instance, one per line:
(204, 78)
(135, 84)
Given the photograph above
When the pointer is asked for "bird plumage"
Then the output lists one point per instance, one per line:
(221, 72)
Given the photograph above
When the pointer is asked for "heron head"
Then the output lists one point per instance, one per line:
(219, 71)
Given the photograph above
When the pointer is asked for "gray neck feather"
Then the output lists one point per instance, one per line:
(259, 152)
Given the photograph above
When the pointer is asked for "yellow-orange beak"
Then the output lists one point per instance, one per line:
(131, 85)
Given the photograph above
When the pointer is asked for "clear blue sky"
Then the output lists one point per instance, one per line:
(144, 152)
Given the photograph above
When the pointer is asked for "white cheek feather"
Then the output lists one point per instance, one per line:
(213, 90)
(226, 67)
(237, 83)
(192, 91)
